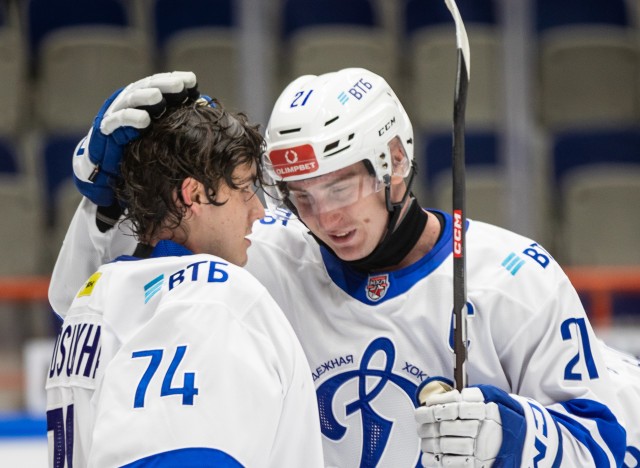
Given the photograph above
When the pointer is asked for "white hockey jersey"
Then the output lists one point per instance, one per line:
(372, 339)
(179, 361)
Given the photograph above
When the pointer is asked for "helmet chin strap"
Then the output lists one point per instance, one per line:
(399, 237)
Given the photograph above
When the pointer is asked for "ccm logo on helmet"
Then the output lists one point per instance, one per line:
(387, 126)
(294, 161)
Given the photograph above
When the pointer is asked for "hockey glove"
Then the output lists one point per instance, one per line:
(484, 425)
(96, 162)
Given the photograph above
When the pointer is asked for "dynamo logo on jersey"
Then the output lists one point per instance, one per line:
(377, 287)
(377, 389)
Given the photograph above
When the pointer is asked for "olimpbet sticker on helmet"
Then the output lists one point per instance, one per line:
(294, 161)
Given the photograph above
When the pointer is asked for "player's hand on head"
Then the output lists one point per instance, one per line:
(96, 161)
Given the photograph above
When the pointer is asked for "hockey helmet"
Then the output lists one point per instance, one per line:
(321, 124)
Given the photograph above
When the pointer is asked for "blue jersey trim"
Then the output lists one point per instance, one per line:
(558, 460)
(187, 458)
(610, 430)
(355, 283)
(165, 248)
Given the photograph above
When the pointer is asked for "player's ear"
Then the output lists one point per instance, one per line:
(191, 192)
(399, 160)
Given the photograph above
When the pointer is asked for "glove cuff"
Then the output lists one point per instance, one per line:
(83, 168)
(540, 435)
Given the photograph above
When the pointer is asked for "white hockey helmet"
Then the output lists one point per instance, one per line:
(324, 123)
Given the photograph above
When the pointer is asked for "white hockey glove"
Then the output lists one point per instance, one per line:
(97, 157)
(482, 426)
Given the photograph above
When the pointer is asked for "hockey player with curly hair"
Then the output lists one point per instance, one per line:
(174, 355)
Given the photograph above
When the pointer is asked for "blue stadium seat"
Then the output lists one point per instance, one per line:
(46, 16)
(553, 13)
(481, 148)
(171, 17)
(57, 151)
(8, 163)
(485, 181)
(425, 13)
(301, 14)
(589, 147)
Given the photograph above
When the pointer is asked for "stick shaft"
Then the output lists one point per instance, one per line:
(459, 213)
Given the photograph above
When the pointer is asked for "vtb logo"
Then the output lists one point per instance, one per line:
(373, 382)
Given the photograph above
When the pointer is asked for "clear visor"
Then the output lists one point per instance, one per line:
(322, 194)
(333, 191)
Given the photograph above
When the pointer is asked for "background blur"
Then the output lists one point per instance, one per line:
(552, 140)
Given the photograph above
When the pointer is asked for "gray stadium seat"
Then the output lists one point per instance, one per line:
(589, 75)
(13, 76)
(320, 37)
(321, 49)
(601, 225)
(214, 55)
(201, 36)
(21, 229)
(80, 52)
(432, 61)
(79, 67)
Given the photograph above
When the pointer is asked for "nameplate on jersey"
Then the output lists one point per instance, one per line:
(77, 352)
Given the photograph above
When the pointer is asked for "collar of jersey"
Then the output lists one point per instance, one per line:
(164, 248)
(355, 282)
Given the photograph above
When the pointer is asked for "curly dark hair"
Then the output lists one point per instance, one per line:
(195, 140)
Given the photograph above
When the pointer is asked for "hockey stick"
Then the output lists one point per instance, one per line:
(459, 217)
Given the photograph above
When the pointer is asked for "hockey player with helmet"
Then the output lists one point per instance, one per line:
(365, 278)
(177, 356)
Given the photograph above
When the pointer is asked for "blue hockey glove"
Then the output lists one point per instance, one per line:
(482, 426)
(96, 162)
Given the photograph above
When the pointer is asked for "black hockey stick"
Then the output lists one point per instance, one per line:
(459, 216)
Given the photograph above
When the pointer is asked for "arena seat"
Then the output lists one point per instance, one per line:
(323, 36)
(597, 174)
(81, 52)
(431, 63)
(588, 63)
(201, 36)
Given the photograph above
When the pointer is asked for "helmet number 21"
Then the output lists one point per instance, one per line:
(304, 95)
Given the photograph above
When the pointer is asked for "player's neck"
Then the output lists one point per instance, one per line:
(425, 243)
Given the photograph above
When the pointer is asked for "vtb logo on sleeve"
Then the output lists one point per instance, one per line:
(294, 161)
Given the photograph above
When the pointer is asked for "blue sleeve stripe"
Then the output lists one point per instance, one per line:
(609, 429)
(558, 460)
(187, 458)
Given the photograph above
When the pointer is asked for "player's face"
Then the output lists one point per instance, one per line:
(344, 209)
(223, 229)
